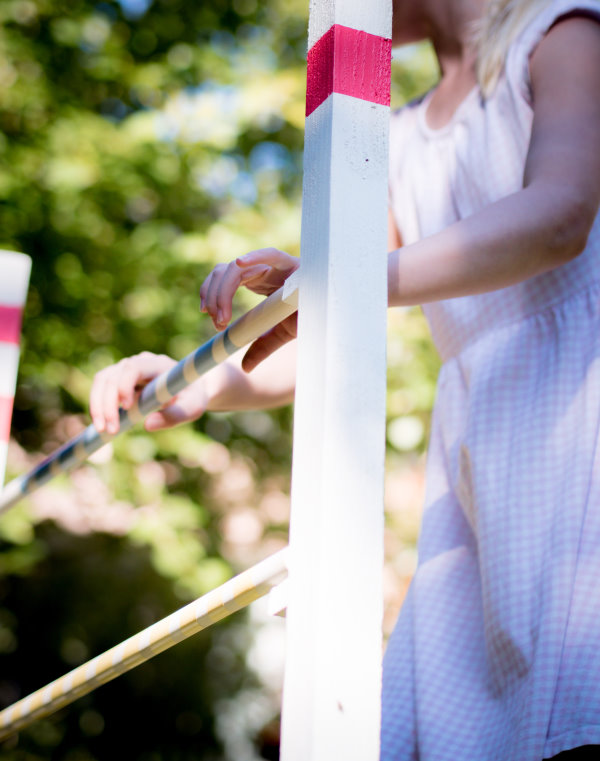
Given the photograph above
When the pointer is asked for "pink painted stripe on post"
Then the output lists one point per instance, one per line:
(10, 324)
(6, 406)
(349, 62)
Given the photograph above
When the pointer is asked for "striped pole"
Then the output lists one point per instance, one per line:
(162, 389)
(232, 596)
(14, 280)
(332, 683)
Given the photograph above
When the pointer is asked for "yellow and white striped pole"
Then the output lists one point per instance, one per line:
(232, 596)
(162, 389)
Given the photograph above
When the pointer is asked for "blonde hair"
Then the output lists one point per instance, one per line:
(500, 25)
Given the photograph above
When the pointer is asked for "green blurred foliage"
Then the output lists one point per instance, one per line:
(141, 142)
(69, 607)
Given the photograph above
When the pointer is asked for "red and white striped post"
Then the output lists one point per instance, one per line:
(14, 281)
(331, 702)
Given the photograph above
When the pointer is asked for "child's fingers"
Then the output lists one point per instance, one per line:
(116, 386)
(204, 288)
(232, 279)
(262, 271)
(127, 381)
(190, 404)
(278, 266)
(156, 421)
(268, 343)
(229, 282)
(135, 372)
(148, 366)
(96, 401)
(118, 390)
(165, 418)
(275, 258)
(211, 291)
(219, 289)
(110, 403)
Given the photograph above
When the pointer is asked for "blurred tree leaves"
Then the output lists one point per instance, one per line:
(141, 142)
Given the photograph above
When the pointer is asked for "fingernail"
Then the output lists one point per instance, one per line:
(219, 316)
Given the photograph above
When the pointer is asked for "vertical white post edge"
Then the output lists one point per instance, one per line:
(15, 269)
(332, 685)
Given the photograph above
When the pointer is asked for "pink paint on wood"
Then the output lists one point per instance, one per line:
(6, 405)
(349, 62)
(10, 324)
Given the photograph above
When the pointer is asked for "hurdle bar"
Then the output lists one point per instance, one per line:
(161, 389)
(230, 597)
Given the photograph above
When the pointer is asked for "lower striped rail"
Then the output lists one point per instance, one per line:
(232, 596)
(162, 389)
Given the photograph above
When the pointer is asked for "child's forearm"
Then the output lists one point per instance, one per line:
(520, 236)
(271, 384)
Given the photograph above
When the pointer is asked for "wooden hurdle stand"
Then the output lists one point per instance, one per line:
(14, 280)
(332, 684)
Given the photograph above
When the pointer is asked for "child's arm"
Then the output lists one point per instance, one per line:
(542, 226)
(224, 388)
(546, 223)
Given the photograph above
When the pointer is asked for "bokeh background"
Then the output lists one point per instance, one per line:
(142, 142)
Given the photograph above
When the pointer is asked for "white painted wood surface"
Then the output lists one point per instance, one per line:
(15, 269)
(372, 16)
(331, 702)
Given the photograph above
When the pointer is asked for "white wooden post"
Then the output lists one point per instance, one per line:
(331, 702)
(14, 281)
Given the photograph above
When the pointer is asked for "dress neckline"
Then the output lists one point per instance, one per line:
(462, 107)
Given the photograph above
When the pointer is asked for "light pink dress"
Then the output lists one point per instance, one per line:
(496, 654)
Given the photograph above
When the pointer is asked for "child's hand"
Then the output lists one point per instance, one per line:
(118, 385)
(262, 271)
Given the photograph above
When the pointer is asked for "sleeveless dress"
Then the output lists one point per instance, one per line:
(496, 653)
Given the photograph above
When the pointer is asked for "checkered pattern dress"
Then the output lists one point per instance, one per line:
(496, 654)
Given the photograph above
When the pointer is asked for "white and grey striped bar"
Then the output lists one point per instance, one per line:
(232, 596)
(162, 389)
